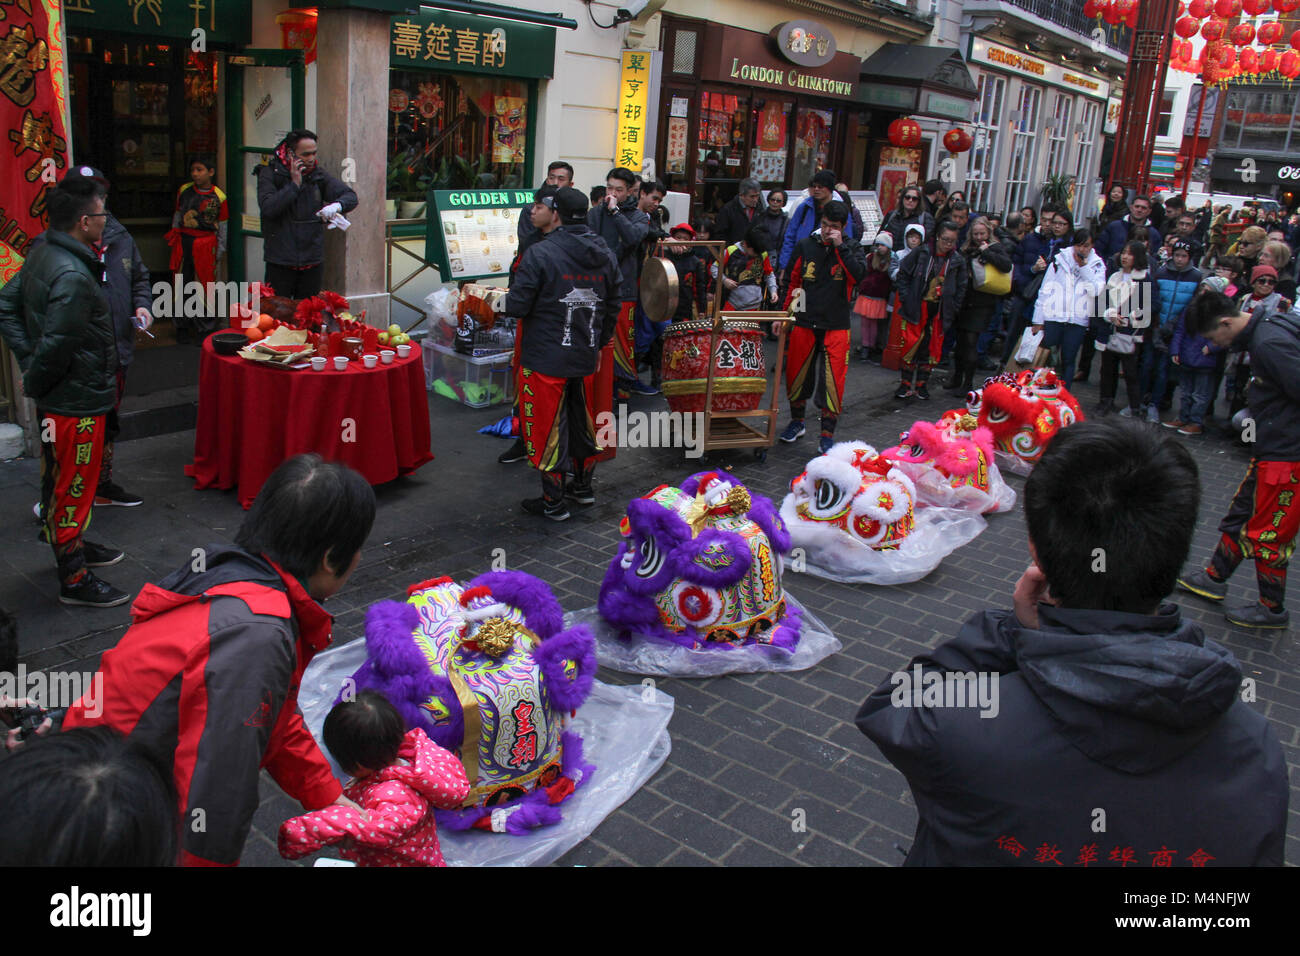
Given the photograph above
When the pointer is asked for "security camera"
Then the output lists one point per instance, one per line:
(631, 11)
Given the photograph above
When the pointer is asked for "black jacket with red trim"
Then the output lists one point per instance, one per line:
(208, 675)
(828, 276)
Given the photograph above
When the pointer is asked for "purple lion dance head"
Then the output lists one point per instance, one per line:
(700, 566)
(494, 657)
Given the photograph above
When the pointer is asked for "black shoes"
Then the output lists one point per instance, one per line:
(514, 453)
(90, 591)
(112, 494)
(1258, 616)
(100, 556)
(922, 393)
(582, 494)
(555, 510)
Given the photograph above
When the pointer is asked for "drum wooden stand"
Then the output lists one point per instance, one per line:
(728, 429)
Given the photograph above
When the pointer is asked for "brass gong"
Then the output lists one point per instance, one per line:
(659, 289)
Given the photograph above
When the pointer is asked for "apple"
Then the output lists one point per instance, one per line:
(394, 329)
(383, 338)
(401, 338)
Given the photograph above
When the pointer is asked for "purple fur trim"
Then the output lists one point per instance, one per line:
(577, 644)
(650, 519)
(571, 763)
(542, 612)
(622, 608)
(395, 667)
(526, 813)
(763, 513)
(786, 634)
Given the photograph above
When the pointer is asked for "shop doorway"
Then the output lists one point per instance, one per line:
(266, 98)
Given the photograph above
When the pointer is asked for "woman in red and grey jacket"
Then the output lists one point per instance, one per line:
(207, 675)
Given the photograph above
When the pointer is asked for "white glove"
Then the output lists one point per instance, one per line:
(329, 212)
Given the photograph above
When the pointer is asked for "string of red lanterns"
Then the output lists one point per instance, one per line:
(1228, 52)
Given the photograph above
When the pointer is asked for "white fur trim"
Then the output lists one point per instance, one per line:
(499, 818)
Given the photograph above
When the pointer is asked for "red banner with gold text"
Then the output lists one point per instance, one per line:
(32, 111)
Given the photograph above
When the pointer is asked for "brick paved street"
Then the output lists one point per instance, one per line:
(748, 751)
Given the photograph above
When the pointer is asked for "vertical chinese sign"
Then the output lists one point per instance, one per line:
(633, 97)
(33, 112)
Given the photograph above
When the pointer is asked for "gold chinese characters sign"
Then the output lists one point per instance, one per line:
(633, 97)
(463, 43)
(32, 111)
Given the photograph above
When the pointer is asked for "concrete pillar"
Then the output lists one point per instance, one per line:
(352, 117)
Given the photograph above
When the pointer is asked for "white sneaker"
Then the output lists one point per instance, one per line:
(36, 509)
(1126, 412)
(1153, 414)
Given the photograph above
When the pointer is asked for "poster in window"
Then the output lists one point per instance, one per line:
(511, 133)
(675, 157)
(899, 166)
(149, 104)
(812, 143)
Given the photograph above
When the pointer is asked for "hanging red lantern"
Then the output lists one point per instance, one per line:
(1183, 50)
(1226, 58)
(904, 131)
(1270, 33)
(1186, 27)
(1255, 7)
(1268, 63)
(1200, 8)
(1285, 6)
(1182, 8)
(1289, 64)
(957, 140)
(1092, 9)
(1227, 9)
(1249, 60)
(1124, 7)
(1242, 34)
(1213, 30)
(1112, 15)
(1295, 40)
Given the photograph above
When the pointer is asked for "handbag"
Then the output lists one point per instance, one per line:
(1028, 347)
(1030, 292)
(989, 278)
(1120, 343)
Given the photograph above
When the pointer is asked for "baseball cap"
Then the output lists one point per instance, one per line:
(682, 227)
(546, 196)
(571, 204)
(82, 177)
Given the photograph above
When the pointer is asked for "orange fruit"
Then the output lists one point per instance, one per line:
(265, 322)
(254, 333)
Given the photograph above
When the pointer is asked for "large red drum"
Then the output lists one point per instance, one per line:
(739, 378)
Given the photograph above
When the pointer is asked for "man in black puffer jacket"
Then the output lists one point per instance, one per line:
(1099, 695)
(1264, 517)
(57, 320)
(296, 198)
(566, 290)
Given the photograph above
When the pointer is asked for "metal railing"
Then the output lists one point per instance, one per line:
(1070, 15)
(393, 243)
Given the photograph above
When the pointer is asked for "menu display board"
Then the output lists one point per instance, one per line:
(473, 233)
(868, 205)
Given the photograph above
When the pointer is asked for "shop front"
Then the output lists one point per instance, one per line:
(462, 104)
(736, 103)
(929, 84)
(1037, 124)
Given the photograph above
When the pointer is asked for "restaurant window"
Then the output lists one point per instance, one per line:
(771, 119)
(1166, 114)
(979, 179)
(1087, 133)
(1024, 130)
(721, 143)
(1233, 115)
(455, 131)
(1266, 121)
(1058, 150)
(812, 145)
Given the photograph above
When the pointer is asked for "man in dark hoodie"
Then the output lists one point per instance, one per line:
(296, 198)
(207, 674)
(567, 291)
(1101, 695)
(1264, 516)
(623, 226)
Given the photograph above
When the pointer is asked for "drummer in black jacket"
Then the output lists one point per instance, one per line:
(566, 290)
(824, 271)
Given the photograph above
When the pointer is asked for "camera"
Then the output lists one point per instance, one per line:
(29, 719)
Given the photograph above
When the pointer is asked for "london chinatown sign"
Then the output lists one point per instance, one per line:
(807, 61)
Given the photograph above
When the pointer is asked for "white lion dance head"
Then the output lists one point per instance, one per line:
(852, 497)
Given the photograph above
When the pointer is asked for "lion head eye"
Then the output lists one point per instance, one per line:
(829, 495)
(652, 559)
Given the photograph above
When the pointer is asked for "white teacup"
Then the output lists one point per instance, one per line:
(340, 363)
(370, 360)
(318, 363)
(386, 356)
(403, 351)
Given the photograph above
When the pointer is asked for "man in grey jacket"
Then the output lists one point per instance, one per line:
(623, 226)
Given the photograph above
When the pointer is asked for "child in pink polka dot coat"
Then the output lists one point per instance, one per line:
(399, 778)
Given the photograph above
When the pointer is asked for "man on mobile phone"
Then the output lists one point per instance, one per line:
(623, 226)
(296, 198)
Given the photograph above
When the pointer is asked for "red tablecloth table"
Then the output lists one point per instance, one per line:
(252, 417)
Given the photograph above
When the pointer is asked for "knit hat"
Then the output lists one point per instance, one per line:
(884, 238)
(1182, 244)
(1217, 283)
(1258, 271)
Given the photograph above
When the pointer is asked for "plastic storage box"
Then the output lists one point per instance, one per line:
(476, 381)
